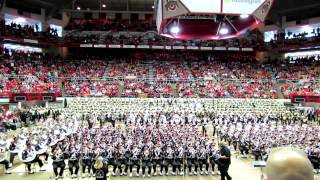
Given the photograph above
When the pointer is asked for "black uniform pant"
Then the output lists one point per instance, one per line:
(223, 168)
(74, 165)
(168, 163)
(118, 165)
(192, 162)
(6, 164)
(155, 163)
(315, 163)
(88, 164)
(146, 164)
(56, 165)
(244, 150)
(137, 164)
(36, 160)
(12, 156)
(205, 163)
(179, 165)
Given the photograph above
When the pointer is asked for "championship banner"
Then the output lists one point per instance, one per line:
(86, 45)
(178, 47)
(129, 46)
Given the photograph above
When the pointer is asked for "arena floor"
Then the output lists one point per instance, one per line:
(240, 169)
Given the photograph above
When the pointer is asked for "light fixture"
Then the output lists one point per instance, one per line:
(152, 7)
(78, 8)
(20, 20)
(175, 29)
(224, 31)
(104, 5)
(244, 16)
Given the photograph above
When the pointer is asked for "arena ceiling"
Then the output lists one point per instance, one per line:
(293, 9)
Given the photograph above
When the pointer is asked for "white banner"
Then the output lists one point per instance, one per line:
(99, 46)
(206, 48)
(31, 41)
(247, 49)
(220, 48)
(178, 47)
(129, 46)
(168, 47)
(86, 45)
(233, 49)
(193, 47)
(143, 47)
(157, 47)
(114, 46)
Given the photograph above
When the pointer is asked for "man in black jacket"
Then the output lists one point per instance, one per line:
(224, 161)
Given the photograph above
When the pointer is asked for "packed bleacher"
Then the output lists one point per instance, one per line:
(198, 75)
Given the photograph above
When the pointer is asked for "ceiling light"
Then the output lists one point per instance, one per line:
(104, 5)
(244, 16)
(20, 20)
(175, 29)
(224, 31)
(152, 7)
(78, 8)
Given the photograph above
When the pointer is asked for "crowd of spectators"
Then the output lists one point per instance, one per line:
(170, 74)
(29, 31)
(105, 24)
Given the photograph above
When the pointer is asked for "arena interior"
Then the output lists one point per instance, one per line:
(158, 89)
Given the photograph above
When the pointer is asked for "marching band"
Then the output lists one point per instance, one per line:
(163, 139)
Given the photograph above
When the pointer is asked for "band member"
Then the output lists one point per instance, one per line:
(313, 155)
(13, 150)
(109, 157)
(213, 158)
(256, 152)
(119, 159)
(128, 159)
(146, 161)
(192, 160)
(73, 162)
(58, 162)
(135, 160)
(157, 159)
(4, 161)
(87, 161)
(179, 161)
(30, 154)
(168, 160)
(203, 160)
(243, 147)
(224, 162)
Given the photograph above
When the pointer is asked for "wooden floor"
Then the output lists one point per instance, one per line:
(241, 169)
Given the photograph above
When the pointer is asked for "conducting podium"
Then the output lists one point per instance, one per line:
(261, 165)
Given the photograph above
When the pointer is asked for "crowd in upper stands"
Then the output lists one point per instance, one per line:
(28, 31)
(187, 74)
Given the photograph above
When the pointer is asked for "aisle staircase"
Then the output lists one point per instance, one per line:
(174, 89)
(151, 72)
(120, 90)
(107, 70)
(190, 72)
(279, 84)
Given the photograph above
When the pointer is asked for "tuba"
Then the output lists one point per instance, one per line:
(3, 153)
